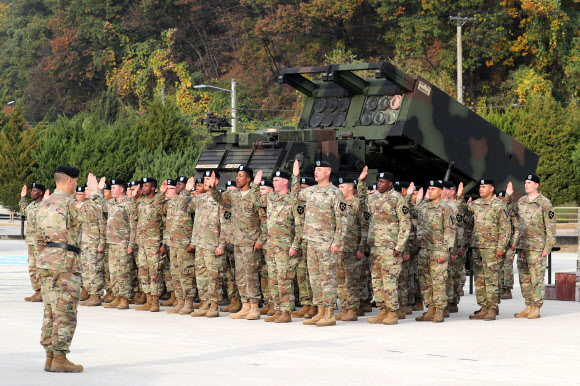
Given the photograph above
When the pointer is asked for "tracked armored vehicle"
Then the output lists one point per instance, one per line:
(375, 114)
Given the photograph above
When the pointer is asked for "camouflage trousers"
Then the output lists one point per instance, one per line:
(414, 289)
(507, 273)
(322, 271)
(281, 272)
(183, 272)
(93, 266)
(264, 276)
(34, 280)
(135, 272)
(151, 270)
(433, 277)
(211, 267)
(486, 271)
(366, 284)
(532, 270)
(167, 272)
(247, 273)
(348, 272)
(229, 273)
(385, 272)
(120, 265)
(172, 279)
(107, 275)
(453, 287)
(61, 292)
(303, 281)
(403, 283)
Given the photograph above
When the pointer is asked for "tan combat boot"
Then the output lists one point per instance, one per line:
(535, 313)
(108, 298)
(114, 303)
(171, 301)
(340, 314)
(285, 317)
(453, 308)
(140, 298)
(368, 307)
(123, 304)
(202, 311)
(507, 294)
(408, 310)
(265, 309)
(446, 312)
(179, 307)
(360, 311)
(490, 314)
(524, 313)
(427, 316)
(319, 315)
(439, 316)
(328, 320)
(146, 306)
(227, 308)
(273, 317)
(84, 295)
(243, 312)
(254, 313)
(213, 311)
(380, 317)
(35, 298)
(312, 312)
(154, 303)
(48, 362)
(236, 305)
(480, 315)
(62, 365)
(418, 306)
(300, 314)
(392, 318)
(401, 314)
(350, 316)
(94, 300)
(271, 310)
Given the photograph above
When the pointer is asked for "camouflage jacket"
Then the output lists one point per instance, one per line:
(412, 242)
(263, 239)
(356, 227)
(93, 231)
(282, 218)
(178, 221)
(458, 226)
(227, 229)
(207, 224)
(437, 224)
(245, 215)
(537, 223)
(29, 210)
(58, 220)
(390, 221)
(118, 230)
(324, 219)
(147, 220)
(491, 224)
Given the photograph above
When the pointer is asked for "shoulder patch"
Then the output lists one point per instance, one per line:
(459, 218)
(367, 215)
(405, 209)
(342, 206)
(452, 220)
(80, 205)
(551, 214)
(300, 210)
(227, 214)
(505, 212)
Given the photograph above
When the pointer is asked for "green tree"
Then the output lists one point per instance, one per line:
(161, 165)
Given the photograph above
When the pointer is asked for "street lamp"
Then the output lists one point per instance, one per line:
(233, 93)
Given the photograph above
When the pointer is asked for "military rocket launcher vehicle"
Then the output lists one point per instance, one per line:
(375, 114)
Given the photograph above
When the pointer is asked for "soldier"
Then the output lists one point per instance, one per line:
(119, 244)
(57, 229)
(302, 278)
(506, 275)
(536, 237)
(134, 190)
(389, 227)
(80, 196)
(414, 245)
(323, 228)
(491, 234)
(352, 251)
(456, 264)
(246, 241)
(109, 296)
(282, 241)
(147, 223)
(171, 282)
(265, 265)
(227, 232)
(436, 228)
(29, 210)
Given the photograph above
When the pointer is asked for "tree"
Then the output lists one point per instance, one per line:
(161, 165)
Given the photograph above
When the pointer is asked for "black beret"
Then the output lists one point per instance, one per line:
(372, 187)
(133, 183)
(346, 180)
(403, 184)
(307, 181)
(281, 174)
(386, 176)
(448, 184)
(149, 179)
(39, 186)
(533, 178)
(70, 171)
(322, 164)
(436, 184)
(231, 183)
(246, 169)
(207, 173)
(182, 179)
(199, 180)
(120, 181)
(397, 188)
(107, 186)
(501, 194)
(486, 181)
(80, 189)
(417, 188)
(171, 182)
(267, 183)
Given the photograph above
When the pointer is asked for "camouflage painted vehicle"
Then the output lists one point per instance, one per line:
(388, 120)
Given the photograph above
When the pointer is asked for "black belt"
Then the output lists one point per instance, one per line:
(66, 247)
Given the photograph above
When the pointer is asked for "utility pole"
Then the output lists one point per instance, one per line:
(234, 111)
(460, 22)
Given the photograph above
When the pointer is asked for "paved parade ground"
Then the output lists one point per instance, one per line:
(125, 347)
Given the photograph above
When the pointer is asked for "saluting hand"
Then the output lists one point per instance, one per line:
(510, 189)
(296, 168)
(411, 188)
(419, 196)
(460, 189)
(102, 183)
(364, 174)
(163, 186)
(190, 183)
(92, 183)
(258, 178)
(23, 191)
(46, 194)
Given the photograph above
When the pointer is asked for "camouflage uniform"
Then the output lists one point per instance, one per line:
(507, 273)
(148, 225)
(389, 227)
(349, 267)
(536, 234)
(412, 247)
(58, 220)
(245, 216)
(29, 210)
(323, 228)
(454, 268)
(436, 229)
(302, 279)
(282, 218)
(92, 261)
(267, 262)
(227, 233)
(491, 233)
(119, 236)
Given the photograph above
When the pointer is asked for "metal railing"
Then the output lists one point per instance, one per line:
(566, 214)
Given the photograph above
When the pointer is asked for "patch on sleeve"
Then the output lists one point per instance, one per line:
(367, 215)
(405, 209)
(79, 205)
(459, 218)
(227, 214)
(300, 210)
(551, 214)
(452, 220)
(505, 212)
(342, 206)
